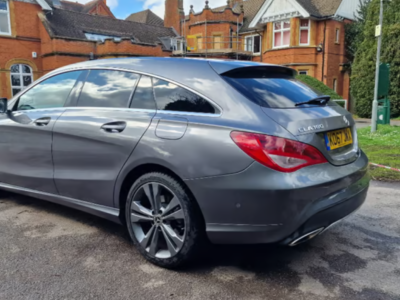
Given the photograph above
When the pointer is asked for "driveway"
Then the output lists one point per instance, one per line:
(51, 252)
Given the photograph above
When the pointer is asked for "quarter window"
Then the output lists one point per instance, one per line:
(4, 18)
(304, 32)
(21, 77)
(174, 98)
(281, 34)
(144, 95)
(50, 93)
(105, 88)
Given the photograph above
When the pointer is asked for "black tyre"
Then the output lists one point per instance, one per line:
(163, 221)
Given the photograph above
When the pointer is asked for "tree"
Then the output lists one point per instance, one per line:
(354, 33)
(363, 70)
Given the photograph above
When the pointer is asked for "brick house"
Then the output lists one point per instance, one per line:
(37, 37)
(307, 35)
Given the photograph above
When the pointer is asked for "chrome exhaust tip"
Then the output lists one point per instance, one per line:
(306, 237)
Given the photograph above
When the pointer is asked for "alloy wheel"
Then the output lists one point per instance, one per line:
(158, 220)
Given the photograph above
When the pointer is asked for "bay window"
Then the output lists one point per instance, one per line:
(5, 27)
(253, 44)
(281, 34)
(304, 32)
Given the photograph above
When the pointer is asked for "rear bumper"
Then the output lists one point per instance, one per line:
(259, 205)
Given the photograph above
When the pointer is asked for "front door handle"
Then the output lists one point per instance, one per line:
(42, 121)
(114, 127)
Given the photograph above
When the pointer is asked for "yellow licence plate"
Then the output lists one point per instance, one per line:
(338, 138)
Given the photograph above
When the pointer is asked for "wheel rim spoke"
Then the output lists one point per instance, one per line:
(152, 191)
(178, 241)
(145, 242)
(172, 204)
(136, 218)
(171, 247)
(176, 215)
(154, 242)
(138, 208)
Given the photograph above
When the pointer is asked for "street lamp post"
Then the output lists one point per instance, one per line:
(378, 62)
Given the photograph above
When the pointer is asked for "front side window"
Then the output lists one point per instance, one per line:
(21, 77)
(4, 18)
(50, 93)
(105, 88)
(171, 97)
(304, 32)
(253, 44)
(144, 95)
(281, 34)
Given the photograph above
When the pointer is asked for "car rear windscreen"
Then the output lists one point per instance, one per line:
(270, 88)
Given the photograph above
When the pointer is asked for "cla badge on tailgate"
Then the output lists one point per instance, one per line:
(311, 128)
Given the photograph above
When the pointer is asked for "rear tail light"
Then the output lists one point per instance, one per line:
(278, 153)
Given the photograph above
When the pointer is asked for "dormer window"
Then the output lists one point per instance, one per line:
(101, 37)
(304, 32)
(5, 28)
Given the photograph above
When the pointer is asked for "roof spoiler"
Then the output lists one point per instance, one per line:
(250, 69)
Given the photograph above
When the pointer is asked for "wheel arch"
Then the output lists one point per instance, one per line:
(140, 170)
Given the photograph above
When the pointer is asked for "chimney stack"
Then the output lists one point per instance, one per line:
(174, 14)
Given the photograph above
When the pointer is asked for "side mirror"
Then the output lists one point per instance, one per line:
(3, 105)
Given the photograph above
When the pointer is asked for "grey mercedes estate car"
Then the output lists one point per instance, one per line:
(185, 150)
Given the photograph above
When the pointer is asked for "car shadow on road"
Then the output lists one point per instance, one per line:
(254, 258)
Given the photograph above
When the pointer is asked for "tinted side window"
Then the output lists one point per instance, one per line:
(51, 93)
(174, 98)
(105, 88)
(144, 95)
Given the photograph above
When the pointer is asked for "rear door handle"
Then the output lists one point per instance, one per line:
(114, 127)
(42, 121)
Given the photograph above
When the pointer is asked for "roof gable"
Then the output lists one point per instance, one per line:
(147, 17)
(275, 10)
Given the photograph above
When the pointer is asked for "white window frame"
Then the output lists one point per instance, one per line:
(335, 82)
(282, 30)
(21, 75)
(302, 28)
(252, 43)
(8, 19)
(303, 71)
(337, 35)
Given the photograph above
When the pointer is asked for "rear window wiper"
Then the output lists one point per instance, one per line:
(323, 100)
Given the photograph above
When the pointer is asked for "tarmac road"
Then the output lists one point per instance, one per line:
(52, 252)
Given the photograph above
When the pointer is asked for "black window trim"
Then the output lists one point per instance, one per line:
(219, 110)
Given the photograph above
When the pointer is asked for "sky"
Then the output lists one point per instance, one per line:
(123, 8)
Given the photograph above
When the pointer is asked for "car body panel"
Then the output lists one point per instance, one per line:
(88, 159)
(26, 158)
(264, 199)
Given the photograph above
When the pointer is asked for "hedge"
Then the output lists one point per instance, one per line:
(319, 86)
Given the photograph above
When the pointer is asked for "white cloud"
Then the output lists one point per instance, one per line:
(158, 6)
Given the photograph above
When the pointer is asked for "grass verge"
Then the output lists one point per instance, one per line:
(382, 147)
